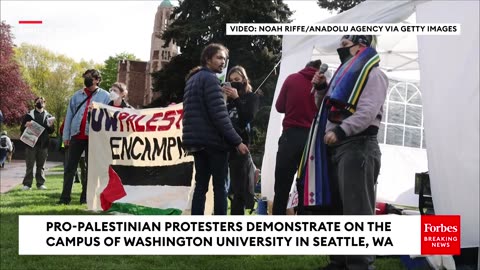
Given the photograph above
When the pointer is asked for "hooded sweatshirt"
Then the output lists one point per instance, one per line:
(296, 100)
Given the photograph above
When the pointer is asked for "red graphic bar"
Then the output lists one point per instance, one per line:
(30, 22)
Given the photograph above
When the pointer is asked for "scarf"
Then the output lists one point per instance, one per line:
(348, 83)
(347, 86)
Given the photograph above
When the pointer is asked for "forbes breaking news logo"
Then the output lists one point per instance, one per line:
(440, 235)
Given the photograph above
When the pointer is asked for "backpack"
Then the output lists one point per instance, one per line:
(3, 142)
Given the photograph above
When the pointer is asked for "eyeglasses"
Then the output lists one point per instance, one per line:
(113, 90)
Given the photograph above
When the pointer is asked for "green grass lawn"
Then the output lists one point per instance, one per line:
(37, 202)
(57, 169)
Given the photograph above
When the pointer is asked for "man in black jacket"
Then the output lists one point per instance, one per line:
(39, 152)
(207, 130)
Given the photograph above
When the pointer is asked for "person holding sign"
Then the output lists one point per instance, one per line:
(348, 123)
(207, 130)
(36, 150)
(75, 131)
(242, 105)
(118, 95)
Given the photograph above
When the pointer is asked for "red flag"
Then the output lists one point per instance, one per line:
(113, 191)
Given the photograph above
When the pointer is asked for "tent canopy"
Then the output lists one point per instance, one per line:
(398, 53)
(452, 141)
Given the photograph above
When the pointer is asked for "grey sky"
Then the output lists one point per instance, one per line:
(99, 29)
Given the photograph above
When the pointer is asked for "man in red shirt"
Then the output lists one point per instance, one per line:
(297, 102)
(75, 131)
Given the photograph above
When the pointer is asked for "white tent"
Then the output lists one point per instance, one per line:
(449, 68)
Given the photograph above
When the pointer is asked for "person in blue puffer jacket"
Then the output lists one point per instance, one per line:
(208, 133)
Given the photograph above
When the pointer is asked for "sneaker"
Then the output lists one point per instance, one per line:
(26, 188)
(42, 187)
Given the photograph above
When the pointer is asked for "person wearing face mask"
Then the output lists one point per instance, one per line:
(208, 133)
(297, 102)
(242, 105)
(346, 138)
(75, 130)
(39, 152)
(118, 95)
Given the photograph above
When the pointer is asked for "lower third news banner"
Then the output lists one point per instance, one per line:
(239, 235)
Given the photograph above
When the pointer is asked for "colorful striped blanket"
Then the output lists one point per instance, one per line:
(346, 87)
(348, 83)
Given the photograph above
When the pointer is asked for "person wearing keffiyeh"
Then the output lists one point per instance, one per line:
(341, 161)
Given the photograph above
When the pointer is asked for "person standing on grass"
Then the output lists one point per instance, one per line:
(297, 102)
(348, 123)
(75, 131)
(242, 105)
(81, 162)
(39, 152)
(208, 133)
(6, 147)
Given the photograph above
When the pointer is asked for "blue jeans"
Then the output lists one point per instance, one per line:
(210, 162)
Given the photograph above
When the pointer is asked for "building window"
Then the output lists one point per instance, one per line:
(166, 55)
(402, 122)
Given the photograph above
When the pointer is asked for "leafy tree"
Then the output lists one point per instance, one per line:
(200, 22)
(52, 76)
(14, 91)
(110, 69)
(338, 5)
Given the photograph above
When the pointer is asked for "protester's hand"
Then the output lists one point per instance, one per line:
(330, 138)
(50, 121)
(66, 143)
(242, 149)
(319, 78)
(28, 124)
(230, 92)
(90, 107)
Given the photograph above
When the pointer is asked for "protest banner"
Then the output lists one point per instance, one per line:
(136, 157)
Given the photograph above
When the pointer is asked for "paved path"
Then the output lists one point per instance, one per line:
(13, 173)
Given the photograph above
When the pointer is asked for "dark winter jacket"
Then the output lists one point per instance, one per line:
(123, 105)
(242, 111)
(205, 117)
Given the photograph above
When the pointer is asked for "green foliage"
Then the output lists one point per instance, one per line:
(198, 23)
(171, 81)
(53, 76)
(14, 91)
(110, 69)
(13, 130)
(338, 5)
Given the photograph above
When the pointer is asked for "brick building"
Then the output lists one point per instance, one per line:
(136, 74)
